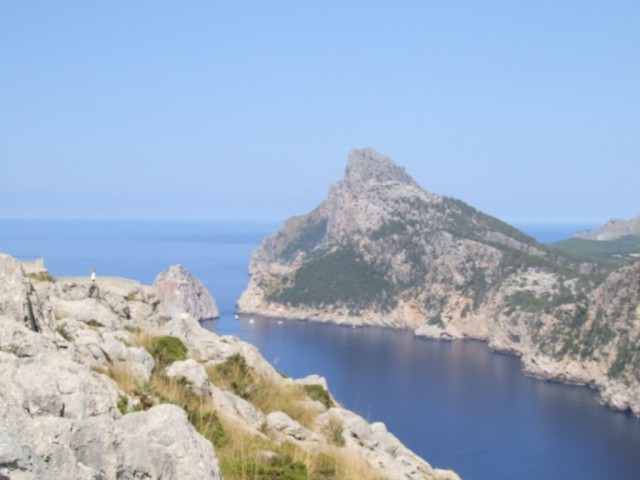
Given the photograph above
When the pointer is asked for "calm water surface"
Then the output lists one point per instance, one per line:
(455, 403)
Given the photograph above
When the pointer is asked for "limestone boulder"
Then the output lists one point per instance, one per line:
(284, 428)
(192, 373)
(52, 384)
(382, 450)
(14, 291)
(18, 461)
(161, 443)
(20, 340)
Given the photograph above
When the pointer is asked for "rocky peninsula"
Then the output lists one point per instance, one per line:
(613, 230)
(113, 381)
(380, 250)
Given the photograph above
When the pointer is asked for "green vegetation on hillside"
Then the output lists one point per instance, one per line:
(341, 277)
(308, 238)
(619, 252)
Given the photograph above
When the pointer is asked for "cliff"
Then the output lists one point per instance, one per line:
(383, 251)
(96, 382)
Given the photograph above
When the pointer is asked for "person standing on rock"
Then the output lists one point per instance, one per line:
(93, 287)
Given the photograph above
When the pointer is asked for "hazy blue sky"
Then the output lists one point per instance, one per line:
(527, 110)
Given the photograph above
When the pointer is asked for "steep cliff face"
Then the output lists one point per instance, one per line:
(95, 382)
(383, 251)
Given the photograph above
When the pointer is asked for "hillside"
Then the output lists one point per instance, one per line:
(110, 380)
(380, 250)
(613, 230)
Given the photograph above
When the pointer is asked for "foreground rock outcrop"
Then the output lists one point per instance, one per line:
(380, 250)
(97, 383)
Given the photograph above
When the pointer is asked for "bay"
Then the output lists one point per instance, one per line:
(456, 404)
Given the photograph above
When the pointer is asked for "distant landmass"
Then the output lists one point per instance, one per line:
(617, 241)
(613, 230)
(380, 250)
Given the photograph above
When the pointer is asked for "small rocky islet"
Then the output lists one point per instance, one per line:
(112, 379)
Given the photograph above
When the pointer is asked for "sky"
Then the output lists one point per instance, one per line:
(247, 110)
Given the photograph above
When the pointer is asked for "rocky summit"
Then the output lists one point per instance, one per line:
(98, 382)
(380, 250)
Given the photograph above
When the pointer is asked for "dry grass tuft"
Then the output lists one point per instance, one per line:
(243, 455)
(121, 373)
(146, 340)
(266, 395)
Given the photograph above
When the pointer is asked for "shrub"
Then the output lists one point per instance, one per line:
(318, 393)
(41, 277)
(123, 404)
(208, 424)
(168, 350)
(437, 320)
(236, 375)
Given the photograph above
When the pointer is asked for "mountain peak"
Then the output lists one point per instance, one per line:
(367, 164)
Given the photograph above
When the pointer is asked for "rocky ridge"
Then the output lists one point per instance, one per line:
(612, 230)
(380, 250)
(96, 383)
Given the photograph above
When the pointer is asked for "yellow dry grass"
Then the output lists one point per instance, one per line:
(237, 449)
(265, 394)
(121, 373)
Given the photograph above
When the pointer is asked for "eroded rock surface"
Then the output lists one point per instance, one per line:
(180, 292)
(63, 416)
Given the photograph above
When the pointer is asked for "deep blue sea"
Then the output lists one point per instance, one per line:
(457, 404)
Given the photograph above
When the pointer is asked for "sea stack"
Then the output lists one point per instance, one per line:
(180, 292)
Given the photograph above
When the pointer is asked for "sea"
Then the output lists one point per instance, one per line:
(456, 404)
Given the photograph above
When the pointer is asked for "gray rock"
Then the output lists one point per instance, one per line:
(52, 384)
(15, 290)
(192, 373)
(16, 338)
(180, 292)
(59, 416)
(161, 443)
(287, 429)
(382, 450)
(18, 461)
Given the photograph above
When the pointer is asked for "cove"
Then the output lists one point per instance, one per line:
(457, 404)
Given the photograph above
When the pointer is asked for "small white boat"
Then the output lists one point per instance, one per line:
(237, 317)
(251, 320)
(279, 322)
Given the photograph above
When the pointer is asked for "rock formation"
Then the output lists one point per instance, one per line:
(612, 230)
(383, 251)
(105, 386)
(180, 292)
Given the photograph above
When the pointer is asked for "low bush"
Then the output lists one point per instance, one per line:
(168, 350)
(318, 393)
